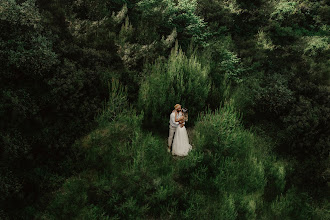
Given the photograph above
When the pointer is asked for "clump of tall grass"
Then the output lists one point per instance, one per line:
(116, 104)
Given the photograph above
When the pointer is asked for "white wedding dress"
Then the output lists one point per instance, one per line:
(181, 145)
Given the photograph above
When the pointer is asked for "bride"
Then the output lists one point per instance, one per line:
(181, 145)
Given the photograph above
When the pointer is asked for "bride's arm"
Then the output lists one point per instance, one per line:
(182, 122)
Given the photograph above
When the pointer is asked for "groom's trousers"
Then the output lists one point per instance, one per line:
(171, 135)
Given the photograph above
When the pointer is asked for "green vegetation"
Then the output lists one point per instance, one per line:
(87, 87)
(180, 78)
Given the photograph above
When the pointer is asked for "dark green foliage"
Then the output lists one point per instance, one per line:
(166, 15)
(118, 173)
(307, 126)
(231, 165)
(274, 98)
(226, 70)
(48, 99)
(181, 79)
(126, 173)
(27, 57)
(79, 78)
(285, 91)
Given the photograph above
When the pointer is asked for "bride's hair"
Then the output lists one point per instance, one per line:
(185, 114)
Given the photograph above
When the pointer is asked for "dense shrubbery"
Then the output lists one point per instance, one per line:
(48, 99)
(125, 172)
(230, 163)
(267, 60)
(180, 79)
(180, 15)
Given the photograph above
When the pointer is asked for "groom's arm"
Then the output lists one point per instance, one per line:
(173, 119)
(179, 119)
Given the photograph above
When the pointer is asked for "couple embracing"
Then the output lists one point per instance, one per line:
(180, 143)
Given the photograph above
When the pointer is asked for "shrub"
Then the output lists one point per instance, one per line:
(118, 168)
(181, 79)
(166, 15)
(228, 162)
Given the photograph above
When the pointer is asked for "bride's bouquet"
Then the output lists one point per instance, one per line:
(185, 114)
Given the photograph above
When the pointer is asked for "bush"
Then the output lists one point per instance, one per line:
(117, 166)
(181, 79)
(230, 163)
(126, 173)
(163, 16)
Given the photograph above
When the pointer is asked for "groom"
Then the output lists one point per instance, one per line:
(174, 123)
